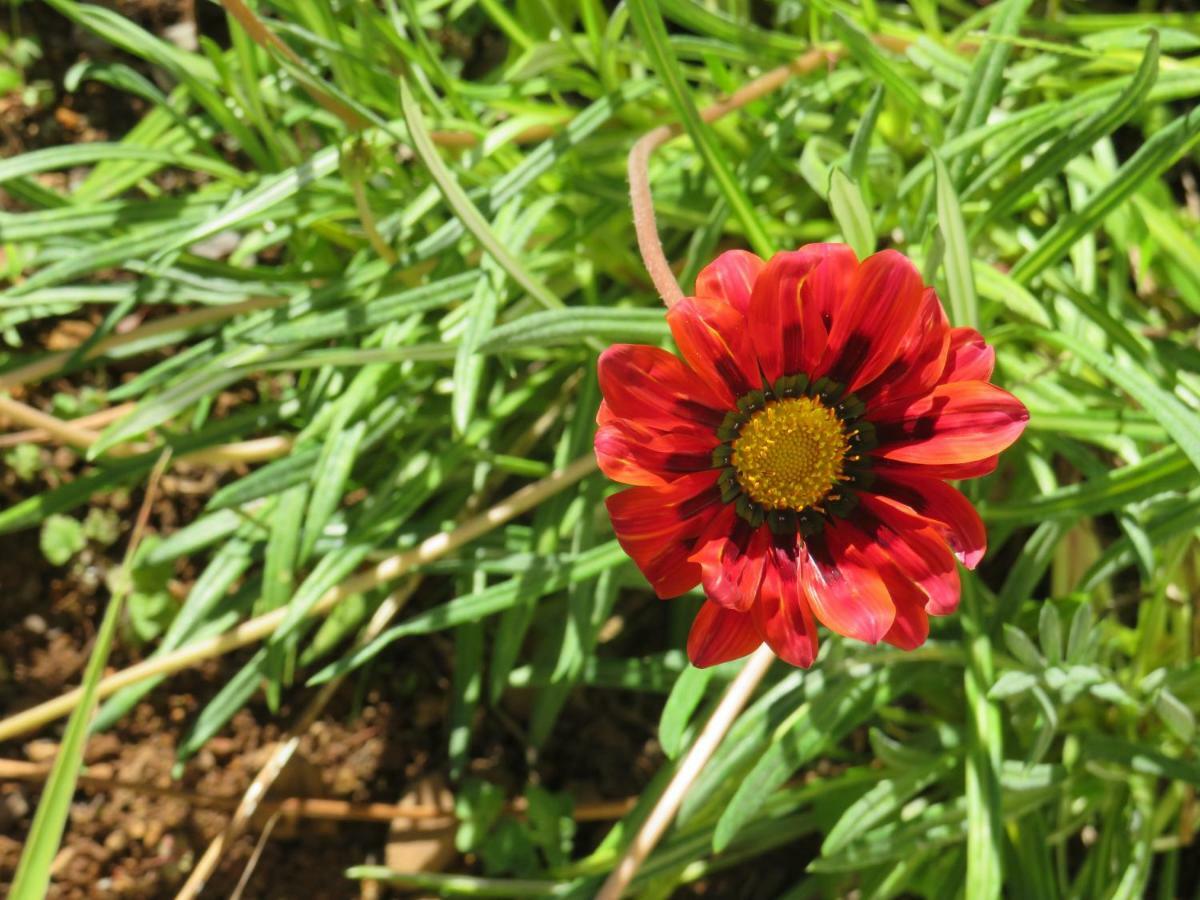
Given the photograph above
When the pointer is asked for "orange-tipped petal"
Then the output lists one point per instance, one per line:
(870, 325)
(658, 526)
(959, 422)
(713, 338)
(781, 613)
(907, 541)
(921, 359)
(731, 556)
(791, 300)
(632, 454)
(970, 358)
(730, 277)
(653, 387)
(844, 588)
(949, 511)
(719, 635)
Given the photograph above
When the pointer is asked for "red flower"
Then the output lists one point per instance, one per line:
(794, 462)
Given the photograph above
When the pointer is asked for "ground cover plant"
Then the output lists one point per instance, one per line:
(300, 375)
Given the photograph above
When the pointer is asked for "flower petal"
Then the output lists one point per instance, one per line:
(911, 627)
(962, 421)
(948, 471)
(951, 513)
(653, 387)
(970, 358)
(731, 556)
(632, 454)
(713, 339)
(869, 327)
(658, 527)
(730, 277)
(843, 588)
(791, 303)
(719, 635)
(921, 358)
(605, 415)
(781, 613)
(907, 541)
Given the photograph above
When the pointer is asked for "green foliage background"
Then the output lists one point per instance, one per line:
(429, 344)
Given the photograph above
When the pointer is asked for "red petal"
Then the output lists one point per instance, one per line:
(731, 557)
(869, 327)
(904, 539)
(719, 635)
(730, 277)
(951, 512)
(949, 471)
(658, 527)
(654, 387)
(921, 358)
(782, 614)
(790, 303)
(970, 358)
(843, 587)
(911, 627)
(712, 337)
(604, 414)
(963, 421)
(632, 454)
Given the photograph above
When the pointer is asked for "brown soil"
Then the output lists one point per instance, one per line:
(374, 748)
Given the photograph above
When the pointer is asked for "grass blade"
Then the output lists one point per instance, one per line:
(650, 28)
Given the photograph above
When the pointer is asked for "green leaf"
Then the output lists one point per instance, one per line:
(880, 803)
(616, 325)
(685, 696)
(32, 878)
(1020, 646)
(543, 579)
(1180, 422)
(807, 732)
(850, 210)
(551, 824)
(478, 805)
(964, 307)
(885, 69)
(466, 211)
(61, 538)
(1077, 140)
(1140, 758)
(1080, 632)
(1152, 158)
(1050, 633)
(1176, 715)
(650, 28)
(1010, 684)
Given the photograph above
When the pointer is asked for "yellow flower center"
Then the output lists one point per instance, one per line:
(790, 453)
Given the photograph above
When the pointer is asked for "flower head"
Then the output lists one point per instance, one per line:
(794, 462)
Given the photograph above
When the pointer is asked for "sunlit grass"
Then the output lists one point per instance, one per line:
(423, 253)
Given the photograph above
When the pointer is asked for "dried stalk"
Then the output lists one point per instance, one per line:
(290, 808)
(73, 435)
(254, 630)
(726, 713)
(194, 318)
(90, 422)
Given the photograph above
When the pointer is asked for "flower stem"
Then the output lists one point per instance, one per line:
(640, 197)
